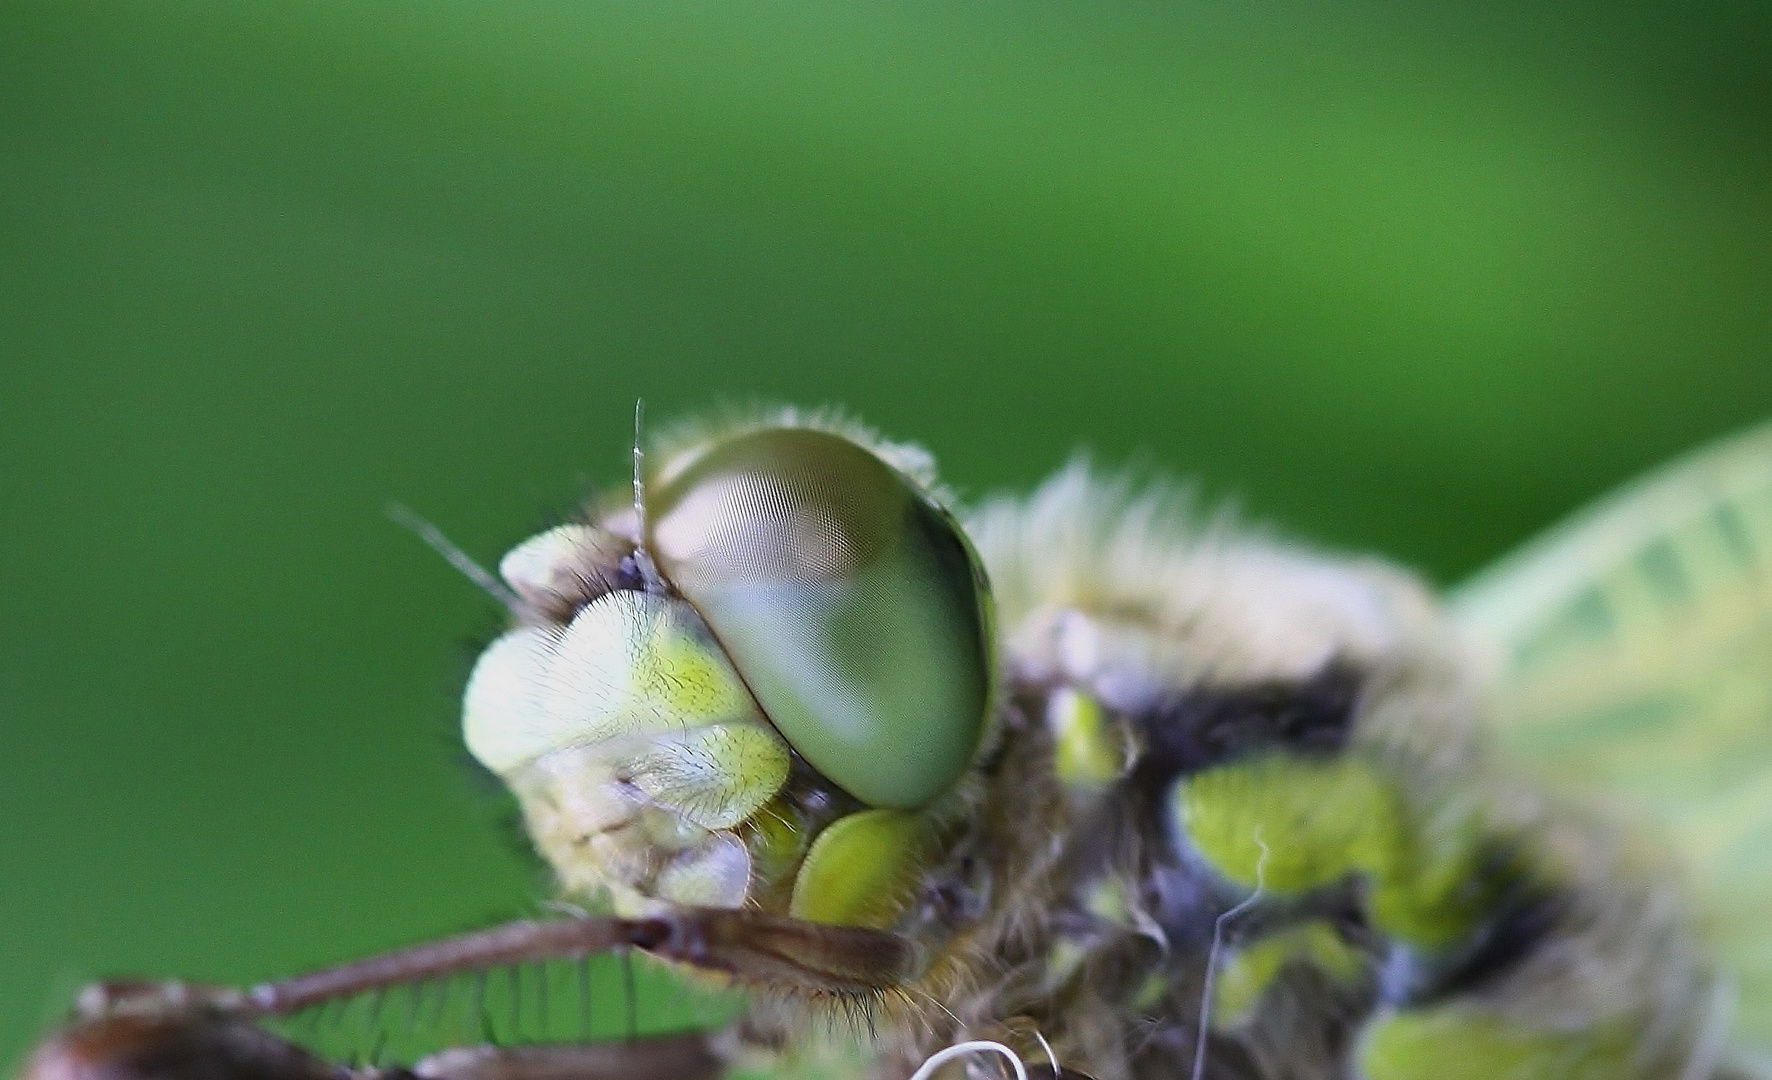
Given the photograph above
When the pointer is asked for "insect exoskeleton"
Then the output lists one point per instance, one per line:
(769, 685)
(768, 701)
(1162, 798)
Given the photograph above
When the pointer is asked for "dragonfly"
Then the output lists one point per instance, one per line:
(1083, 785)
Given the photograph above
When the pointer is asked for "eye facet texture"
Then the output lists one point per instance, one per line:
(849, 604)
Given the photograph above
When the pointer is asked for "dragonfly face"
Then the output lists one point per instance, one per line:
(762, 705)
(1128, 796)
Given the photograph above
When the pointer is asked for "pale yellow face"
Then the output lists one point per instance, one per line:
(632, 744)
(758, 706)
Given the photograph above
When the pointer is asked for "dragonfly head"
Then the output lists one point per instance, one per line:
(748, 691)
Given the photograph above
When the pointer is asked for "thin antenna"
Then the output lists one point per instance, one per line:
(1218, 924)
(461, 560)
(640, 468)
(642, 557)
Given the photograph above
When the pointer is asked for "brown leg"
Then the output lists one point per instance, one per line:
(188, 1045)
(755, 949)
(172, 1030)
(206, 1046)
(665, 1057)
(786, 954)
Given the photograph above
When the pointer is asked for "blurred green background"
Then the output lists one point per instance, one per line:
(1405, 277)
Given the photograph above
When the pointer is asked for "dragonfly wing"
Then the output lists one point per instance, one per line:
(1632, 652)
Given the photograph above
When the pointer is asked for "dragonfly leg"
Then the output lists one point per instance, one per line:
(663, 1057)
(776, 952)
(756, 949)
(204, 1045)
(171, 1030)
(175, 1045)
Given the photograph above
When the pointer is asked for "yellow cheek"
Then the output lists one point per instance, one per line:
(715, 777)
(689, 679)
(862, 870)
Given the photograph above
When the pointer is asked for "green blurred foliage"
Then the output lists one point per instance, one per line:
(1405, 277)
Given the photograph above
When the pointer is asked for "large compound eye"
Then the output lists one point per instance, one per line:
(850, 605)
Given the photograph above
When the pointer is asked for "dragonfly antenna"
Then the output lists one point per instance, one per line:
(642, 558)
(456, 557)
(639, 467)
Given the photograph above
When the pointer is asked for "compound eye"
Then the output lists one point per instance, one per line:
(850, 605)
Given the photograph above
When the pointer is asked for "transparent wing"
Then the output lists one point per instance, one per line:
(1633, 652)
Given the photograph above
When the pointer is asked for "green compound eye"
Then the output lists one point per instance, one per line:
(848, 602)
